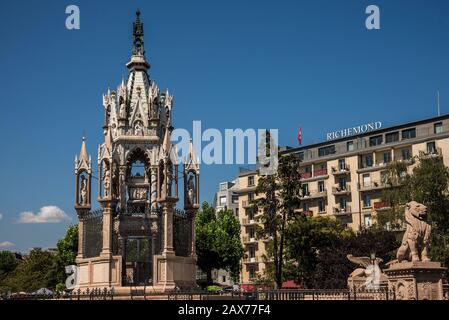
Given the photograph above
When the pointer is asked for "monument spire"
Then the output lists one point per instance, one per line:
(138, 60)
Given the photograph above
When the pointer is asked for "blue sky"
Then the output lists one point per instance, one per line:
(231, 64)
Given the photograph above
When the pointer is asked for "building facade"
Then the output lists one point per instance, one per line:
(138, 237)
(226, 198)
(343, 178)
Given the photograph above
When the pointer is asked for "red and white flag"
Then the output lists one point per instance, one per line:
(300, 136)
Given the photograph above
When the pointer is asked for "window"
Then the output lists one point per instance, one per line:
(350, 146)
(321, 187)
(438, 128)
(366, 180)
(305, 189)
(387, 157)
(406, 154)
(223, 278)
(408, 134)
(250, 181)
(375, 141)
(250, 197)
(305, 207)
(343, 202)
(325, 151)
(342, 164)
(367, 160)
(251, 232)
(342, 183)
(222, 200)
(252, 272)
(431, 148)
(392, 137)
(250, 213)
(252, 252)
(235, 199)
(236, 212)
(321, 206)
(366, 201)
(301, 156)
(367, 220)
(223, 186)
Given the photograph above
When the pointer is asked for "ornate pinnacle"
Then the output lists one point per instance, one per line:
(138, 48)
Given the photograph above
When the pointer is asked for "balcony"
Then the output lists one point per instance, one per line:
(317, 174)
(307, 213)
(341, 170)
(251, 260)
(315, 194)
(435, 153)
(341, 190)
(374, 167)
(381, 206)
(342, 211)
(249, 222)
(249, 240)
(371, 185)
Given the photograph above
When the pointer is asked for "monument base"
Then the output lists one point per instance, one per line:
(416, 280)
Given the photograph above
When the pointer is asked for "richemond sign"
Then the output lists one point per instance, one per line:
(354, 130)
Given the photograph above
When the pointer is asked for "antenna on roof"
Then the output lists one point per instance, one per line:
(438, 102)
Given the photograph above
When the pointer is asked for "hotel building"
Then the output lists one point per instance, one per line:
(344, 178)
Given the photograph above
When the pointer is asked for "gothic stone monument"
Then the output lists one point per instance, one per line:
(137, 237)
(413, 276)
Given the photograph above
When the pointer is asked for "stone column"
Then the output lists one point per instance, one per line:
(80, 254)
(107, 230)
(153, 196)
(168, 226)
(191, 214)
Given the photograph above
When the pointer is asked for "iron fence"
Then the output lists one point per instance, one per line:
(88, 294)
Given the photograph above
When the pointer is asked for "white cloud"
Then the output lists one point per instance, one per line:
(6, 244)
(47, 214)
(1, 216)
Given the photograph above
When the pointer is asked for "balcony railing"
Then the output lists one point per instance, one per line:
(381, 205)
(371, 185)
(338, 210)
(435, 153)
(251, 260)
(247, 222)
(320, 172)
(340, 170)
(313, 194)
(306, 175)
(249, 240)
(341, 190)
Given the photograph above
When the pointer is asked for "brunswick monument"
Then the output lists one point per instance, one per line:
(138, 237)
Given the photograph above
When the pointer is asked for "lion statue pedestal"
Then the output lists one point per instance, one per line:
(413, 276)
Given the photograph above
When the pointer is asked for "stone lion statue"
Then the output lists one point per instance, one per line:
(416, 239)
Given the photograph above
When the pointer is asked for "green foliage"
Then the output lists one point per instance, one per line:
(218, 243)
(279, 197)
(67, 251)
(213, 288)
(37, 270)
(318, 248)
(428, 184)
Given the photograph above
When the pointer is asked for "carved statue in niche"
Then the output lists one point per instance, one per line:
(191, 190)
(122, 109)
(169, 179)
(138, 130)
(83, 191)
(106, 182)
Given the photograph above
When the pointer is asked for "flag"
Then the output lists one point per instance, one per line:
(299, 136)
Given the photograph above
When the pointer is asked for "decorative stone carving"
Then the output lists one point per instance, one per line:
(83, 191)
(416, 239)
(369, 276)
(191, 190)
(106, 182)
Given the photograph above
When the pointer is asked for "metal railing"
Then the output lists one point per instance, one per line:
(87, 294)
(341, 189)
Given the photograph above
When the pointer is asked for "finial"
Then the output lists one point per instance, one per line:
(137, 13)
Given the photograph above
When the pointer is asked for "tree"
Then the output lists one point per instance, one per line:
(218, 243)
(67, 251)
(8, 264)
(37, 270)
(307, 238)
(279, 197)
(428, 184)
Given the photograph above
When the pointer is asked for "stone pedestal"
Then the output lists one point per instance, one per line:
(416, 280)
